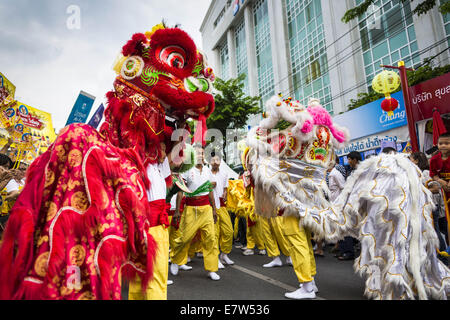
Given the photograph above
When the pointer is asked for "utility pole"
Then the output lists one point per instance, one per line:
(408, 105)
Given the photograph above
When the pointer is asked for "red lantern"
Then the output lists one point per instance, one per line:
(389, 105)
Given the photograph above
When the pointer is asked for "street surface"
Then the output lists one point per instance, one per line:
(248, 280)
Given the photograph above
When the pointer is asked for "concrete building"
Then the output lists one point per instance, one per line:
(302, 49)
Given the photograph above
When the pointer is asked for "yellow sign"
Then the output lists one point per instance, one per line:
(39, 122)
(30, 129)
(5, 83)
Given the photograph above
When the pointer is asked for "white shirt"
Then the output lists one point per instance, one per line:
(221, 180)
(157, 173)
(173, 202)
(194, 178)
(12, 186)
(336, 183)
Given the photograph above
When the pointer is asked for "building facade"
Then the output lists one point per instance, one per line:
(302, 49)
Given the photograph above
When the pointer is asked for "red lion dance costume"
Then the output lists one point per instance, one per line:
(82, 220)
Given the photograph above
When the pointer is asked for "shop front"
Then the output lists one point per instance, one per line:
(372, 129)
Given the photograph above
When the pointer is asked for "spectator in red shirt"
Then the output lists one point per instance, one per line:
(440, 169)
(440, 163)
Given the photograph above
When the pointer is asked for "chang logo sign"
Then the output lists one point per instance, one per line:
(370, 119)
(399, 115)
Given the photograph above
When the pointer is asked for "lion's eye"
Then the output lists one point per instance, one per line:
(173, 56)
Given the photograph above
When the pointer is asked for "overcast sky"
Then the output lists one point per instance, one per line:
(49, 62)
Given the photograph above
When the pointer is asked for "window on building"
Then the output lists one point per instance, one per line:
(387, 36)
(446, 20)
(241, 53)
(307, 48)
(263, 50)
(224, 61)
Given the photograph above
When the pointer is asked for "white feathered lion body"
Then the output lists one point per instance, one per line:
(384, 203)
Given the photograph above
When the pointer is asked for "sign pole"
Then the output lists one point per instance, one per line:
(408, 106)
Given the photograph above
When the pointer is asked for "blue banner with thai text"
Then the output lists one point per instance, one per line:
(81, 108)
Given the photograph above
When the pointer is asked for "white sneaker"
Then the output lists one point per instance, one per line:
(300, 294)
(188, 260)
(225, 259)
(289, 261)
(213, 276)
(276, 262)
(315, 287)
(169, 282)
(221, 266)
(174, 269)
(262, 252)
(199, 255)
(244, 248)
(248, 252)
(185, 267)
(239, 246)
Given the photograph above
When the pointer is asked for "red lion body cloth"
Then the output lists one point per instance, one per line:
(81, 222)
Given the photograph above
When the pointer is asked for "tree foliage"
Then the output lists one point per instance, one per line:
(422, 8)
(233, 106)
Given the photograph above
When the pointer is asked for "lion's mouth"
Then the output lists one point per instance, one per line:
(180, 104)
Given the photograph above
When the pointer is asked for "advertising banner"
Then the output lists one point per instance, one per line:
(395, 136)
(97, 116)
(434, 93)
(371, 119)
(39, 122)
(81, 108)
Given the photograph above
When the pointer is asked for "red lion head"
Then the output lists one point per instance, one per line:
(162, 81)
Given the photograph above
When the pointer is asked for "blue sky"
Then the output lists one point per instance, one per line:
(50, 63)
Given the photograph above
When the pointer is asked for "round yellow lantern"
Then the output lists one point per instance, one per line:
(386, 82)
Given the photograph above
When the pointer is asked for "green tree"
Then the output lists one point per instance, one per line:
(421, 8)
(232, 106)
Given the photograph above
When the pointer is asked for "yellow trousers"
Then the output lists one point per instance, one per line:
(174, 233)
(157, 287)
(254, 237)
(273, 237)
(300, 248)
(224, 230)
(193, 219)
(195, 246)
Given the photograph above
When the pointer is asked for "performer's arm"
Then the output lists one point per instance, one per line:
(12, 196)
(6, 146)
(443, 183)
(177, 214)
(5, 178)
(213, 205)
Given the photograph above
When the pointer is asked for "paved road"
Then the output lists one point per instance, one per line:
(248, 280)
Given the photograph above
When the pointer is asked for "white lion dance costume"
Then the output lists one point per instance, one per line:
(384, 203)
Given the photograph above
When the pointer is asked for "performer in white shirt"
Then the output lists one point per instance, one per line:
(199, 214)
(157, 288)
(224, 227)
